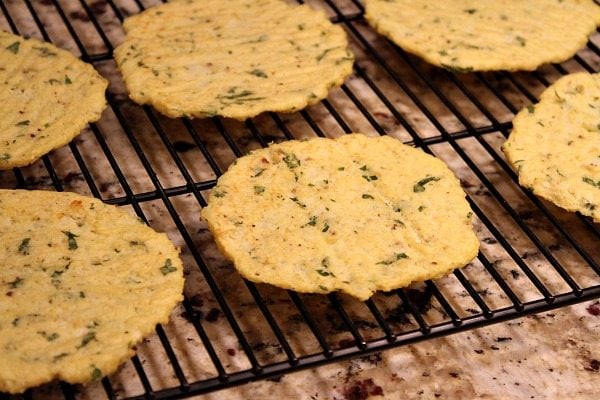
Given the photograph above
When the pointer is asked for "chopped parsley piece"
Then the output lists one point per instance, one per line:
(367, 196)
(23, 123)
(68, 80)
(590, 181)
(325, 227)
(87, 338)
(4, 157)
(396, 257)
(168, 267)
(259, 73)
(470, 10)
(59, 356)
(71, 239)
(24, 246)
(96, 373)
(217, 193)
(340, 168)
(457, 68)
(295, 200)
(312, 221)
(531, 108)
(45, 52)
(420, 186)
(521, 40)
(13, 47)
(18, 282)
(259, 189)
(258, 173)
(48, 336)
(322, 272)
(291, 161)
(324, 53)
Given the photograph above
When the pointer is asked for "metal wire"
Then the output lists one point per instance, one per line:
(416, 326)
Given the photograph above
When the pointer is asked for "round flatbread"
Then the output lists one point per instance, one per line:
(355, 214)
(555, 145)
(475, 35)
(233, 58)
(81, 283)
(48, 96)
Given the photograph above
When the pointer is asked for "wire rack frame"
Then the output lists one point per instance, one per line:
(426, 90)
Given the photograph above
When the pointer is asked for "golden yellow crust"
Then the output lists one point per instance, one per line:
(355, 214)
(555, 145)
(48, 96)
(233, 58)
(81, 283)
(475, 35)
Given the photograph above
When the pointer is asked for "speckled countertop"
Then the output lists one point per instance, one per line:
(555, 354)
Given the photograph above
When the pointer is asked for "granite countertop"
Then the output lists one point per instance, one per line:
(549, 355)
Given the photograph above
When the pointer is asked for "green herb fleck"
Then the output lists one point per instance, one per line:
(295, 200)
(259, 189)
(87, 338)
(421, 208)
(324, 53)
(258, 173)
(234, 97)
(457, 68)
(340, 168)
(24, 246)
(312, 221)
(396, 257)
(23, 123)
(168, 267)
(259, 73)
(96, 373)
(4, 157)
(521, 40)
(13, 47)
(590, 181)
(325, 227)
(71, 239)
(367, 196)
(469, 214)
(18, 282)
(59, 356)
(322, 272)
(48, 336)
(470, 10)
(68, 80)
(291, 161)
(420, 186)
(53, 81)
(531, 108)
(45, 52)
(323, 288)
(217, 193)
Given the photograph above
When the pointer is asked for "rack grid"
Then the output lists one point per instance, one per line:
(534, 256)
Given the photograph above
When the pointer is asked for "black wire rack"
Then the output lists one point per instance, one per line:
(534, 256)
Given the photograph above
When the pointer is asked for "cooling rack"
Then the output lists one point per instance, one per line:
(534, 256)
